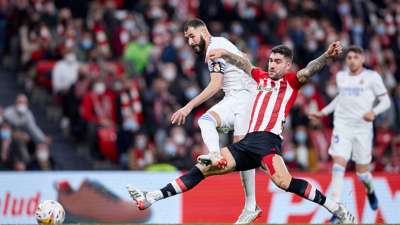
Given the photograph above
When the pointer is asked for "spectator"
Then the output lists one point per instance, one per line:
(21, 118)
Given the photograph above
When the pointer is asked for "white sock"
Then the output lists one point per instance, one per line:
(331, 205)
(337, 181)
(248, 181)
(209, 133)
(154, 196)
(366, 179)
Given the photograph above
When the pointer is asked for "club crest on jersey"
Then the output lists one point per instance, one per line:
(263, 86)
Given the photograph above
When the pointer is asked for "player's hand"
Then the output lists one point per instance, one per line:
(334, 49)
(369, 116)
(179, 117)
(315, 115)
(215, 54)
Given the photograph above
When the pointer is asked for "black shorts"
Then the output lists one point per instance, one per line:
(249, 151)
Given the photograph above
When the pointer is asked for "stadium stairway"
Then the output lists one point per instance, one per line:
(63, 151)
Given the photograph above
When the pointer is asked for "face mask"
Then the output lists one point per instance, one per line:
(99, 88)
(312, 45)
(289, 155)
(169, 74)
(170, 149)
(380, 29)
(130, 125)
(308, 90)
(191, 92)
(5, 134)
(344, 9)
(87, 44)
(141, 142)
(42, 155)
(117, 86)
(358, 29)
(179, 139)
(237, 29)
(128, 24)
(70, 57)
(178, 42)
(22, 108)
(300, 137)
(142, 40)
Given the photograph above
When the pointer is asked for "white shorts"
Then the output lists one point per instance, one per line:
(234, 111)
(352, 144)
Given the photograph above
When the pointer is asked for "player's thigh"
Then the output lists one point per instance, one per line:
(362, 148)
(225, 114)
(277, 170)
(341, 144)
(242, 110)
(213, 170)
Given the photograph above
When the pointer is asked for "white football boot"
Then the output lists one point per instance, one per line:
(248, 216)
(139, 197)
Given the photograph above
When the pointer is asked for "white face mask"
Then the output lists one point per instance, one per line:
(42, 155)
(22, 108)
(179, 139)
(99, 88)
(70, 57)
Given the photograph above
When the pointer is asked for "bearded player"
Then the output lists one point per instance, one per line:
(231, 112)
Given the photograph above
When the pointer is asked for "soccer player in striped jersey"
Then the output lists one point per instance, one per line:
(354, 112)
(276, 93)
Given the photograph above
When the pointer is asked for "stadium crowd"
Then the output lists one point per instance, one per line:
(118, 69)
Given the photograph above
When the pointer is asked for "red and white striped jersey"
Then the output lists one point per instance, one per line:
(273, 101)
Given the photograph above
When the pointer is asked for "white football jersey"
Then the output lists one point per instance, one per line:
(357, 94)
(234, 78)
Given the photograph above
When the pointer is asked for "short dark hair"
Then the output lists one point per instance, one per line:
(195, 23)
(284, 50)
(354, 48)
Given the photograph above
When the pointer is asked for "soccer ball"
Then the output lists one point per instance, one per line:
(50, 212)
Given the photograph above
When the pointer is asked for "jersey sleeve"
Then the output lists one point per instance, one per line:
(293, 81)
(377, 85)
(257, 74)
(217, 66)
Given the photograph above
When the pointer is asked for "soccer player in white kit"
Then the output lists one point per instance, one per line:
(354, 113)
(232, 112)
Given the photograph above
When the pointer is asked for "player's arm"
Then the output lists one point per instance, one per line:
(325, 111)
(212, 88)
(242, 63)
(379, 89)
(317, 64)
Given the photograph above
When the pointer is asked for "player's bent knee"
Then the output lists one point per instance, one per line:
(207, 121)
(281, 181)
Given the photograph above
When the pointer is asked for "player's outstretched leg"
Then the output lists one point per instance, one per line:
(365, 177)
(282, 178)
(251, 211)
(182, 184)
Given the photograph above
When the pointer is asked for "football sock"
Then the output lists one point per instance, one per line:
(248, 182)
(337, 181)
(209, 133)
(183, 183)
(308, 191)
(366, 179)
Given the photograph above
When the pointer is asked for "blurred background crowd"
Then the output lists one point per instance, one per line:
(109, 74)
